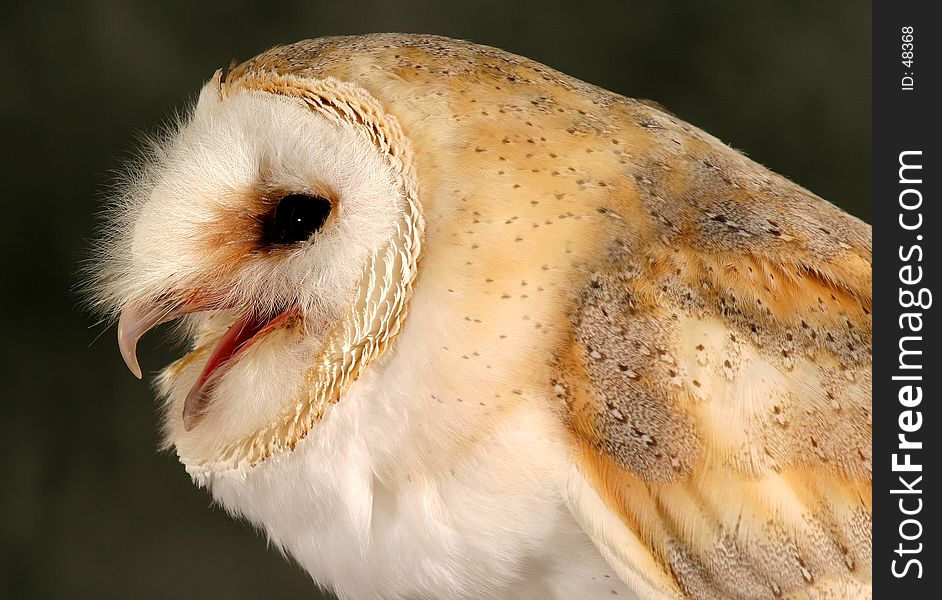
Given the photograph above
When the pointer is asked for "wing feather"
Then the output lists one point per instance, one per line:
(717, 384)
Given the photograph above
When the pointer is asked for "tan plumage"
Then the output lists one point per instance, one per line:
(699, 325)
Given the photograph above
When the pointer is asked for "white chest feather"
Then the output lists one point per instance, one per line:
(369, 513)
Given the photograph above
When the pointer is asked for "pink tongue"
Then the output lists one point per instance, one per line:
(231, 342)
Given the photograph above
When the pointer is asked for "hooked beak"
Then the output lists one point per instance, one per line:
(135, 321)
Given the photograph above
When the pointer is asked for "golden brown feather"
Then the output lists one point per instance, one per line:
(714, 366)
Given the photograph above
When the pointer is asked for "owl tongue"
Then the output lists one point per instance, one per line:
(239, 336)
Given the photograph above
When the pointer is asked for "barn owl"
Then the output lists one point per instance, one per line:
(461, 326)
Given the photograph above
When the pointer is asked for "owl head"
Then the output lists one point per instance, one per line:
(279, 224)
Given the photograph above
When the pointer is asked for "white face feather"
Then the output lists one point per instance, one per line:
(190, 226)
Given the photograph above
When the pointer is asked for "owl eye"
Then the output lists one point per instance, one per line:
(298, 217)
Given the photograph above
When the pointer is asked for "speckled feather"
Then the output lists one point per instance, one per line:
(550, 342)
(703, 324)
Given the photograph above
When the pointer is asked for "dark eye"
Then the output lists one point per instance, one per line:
(298, 217)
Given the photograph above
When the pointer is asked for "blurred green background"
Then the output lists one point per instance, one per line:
(89, 508)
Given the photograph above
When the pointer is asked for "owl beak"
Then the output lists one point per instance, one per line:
(135, 321)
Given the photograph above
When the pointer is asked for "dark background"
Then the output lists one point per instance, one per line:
(89, 508)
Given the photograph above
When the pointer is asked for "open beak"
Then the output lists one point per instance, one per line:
(135, 321)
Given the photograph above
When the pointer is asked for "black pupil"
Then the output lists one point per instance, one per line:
(298, 217)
